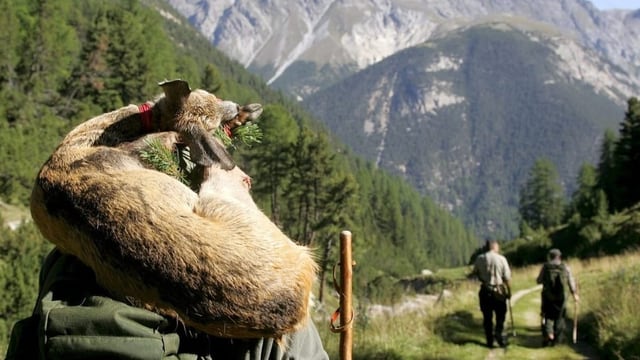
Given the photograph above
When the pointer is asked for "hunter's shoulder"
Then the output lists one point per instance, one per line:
(500, 257)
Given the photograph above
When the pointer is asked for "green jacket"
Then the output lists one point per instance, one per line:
(74, 318)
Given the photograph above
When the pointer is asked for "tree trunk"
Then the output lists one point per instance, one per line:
(323, 268)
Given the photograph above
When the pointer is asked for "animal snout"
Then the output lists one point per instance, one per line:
(247, 113)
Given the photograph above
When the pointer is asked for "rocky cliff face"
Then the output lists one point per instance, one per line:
(304, 45)
(464, 117)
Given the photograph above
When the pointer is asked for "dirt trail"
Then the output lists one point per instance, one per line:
(497, 352)
(531, 315)
(519, 294)
(529, 318)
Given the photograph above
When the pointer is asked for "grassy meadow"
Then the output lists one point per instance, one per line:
(451, 327)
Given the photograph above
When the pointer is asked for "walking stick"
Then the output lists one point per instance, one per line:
(575, 322)
(513, 327)
(345, 311)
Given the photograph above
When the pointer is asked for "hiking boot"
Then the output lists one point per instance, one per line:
(489, 339)
(502, 342)
(549, 340)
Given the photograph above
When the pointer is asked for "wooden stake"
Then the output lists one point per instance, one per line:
(513, 327)
(575, 323)
(346, 313)
(574, 336)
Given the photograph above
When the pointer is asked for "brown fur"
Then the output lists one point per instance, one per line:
(213, 258)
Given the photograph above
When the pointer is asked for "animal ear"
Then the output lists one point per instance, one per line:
(175, 92)
(205, 149)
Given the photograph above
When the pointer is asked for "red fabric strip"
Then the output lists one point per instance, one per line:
(147, 118)
(227, 130)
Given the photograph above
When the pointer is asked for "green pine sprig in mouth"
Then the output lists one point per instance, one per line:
(248, 135)
(177, 163)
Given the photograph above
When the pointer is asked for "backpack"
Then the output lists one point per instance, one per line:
(554, 282)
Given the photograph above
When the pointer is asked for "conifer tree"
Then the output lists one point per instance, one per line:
(541, 201)
(606, 172)
(587, 201)
(21, 254)
(137, 56)
(270, 163)
(386, 209)
(317, 190)
(627, 158)
(10, 40)
(52, 50)
(93, 71)
(296, 174)
(211, 79)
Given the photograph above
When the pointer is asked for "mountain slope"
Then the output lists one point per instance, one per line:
(464, 117)
(302, 45)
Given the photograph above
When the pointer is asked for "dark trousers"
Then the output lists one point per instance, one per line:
(554, 314)
(489, 306)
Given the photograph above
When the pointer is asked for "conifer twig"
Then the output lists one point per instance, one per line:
(156, 155)
(163, 160)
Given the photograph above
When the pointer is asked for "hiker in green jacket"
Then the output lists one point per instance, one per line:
(555, 277)
(492, 269)
(74, 318)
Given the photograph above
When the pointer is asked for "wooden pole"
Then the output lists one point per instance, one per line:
(574, 336)
(513, 327)
(346, 313)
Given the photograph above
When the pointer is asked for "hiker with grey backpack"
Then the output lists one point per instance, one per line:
(556, 278)
(493, 271)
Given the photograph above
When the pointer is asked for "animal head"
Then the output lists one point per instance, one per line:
(195, 114)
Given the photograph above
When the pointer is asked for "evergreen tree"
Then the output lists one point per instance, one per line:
(89, 78)
(21, 254)
(211, 79)
(52, 50)
(317, 190)
(10, 39)
(298, 178)
(541, 201)
(627, 158)
(138, 57)
(387, 214)
(606, 172)
(270, 164)
(587, 201)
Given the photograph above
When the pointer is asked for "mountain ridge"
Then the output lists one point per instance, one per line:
(580, 52)
(343, 37)
(448, 116)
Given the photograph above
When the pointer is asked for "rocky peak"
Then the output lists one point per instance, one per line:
(271, 36)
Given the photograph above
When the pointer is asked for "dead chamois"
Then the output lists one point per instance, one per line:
(213, 258)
